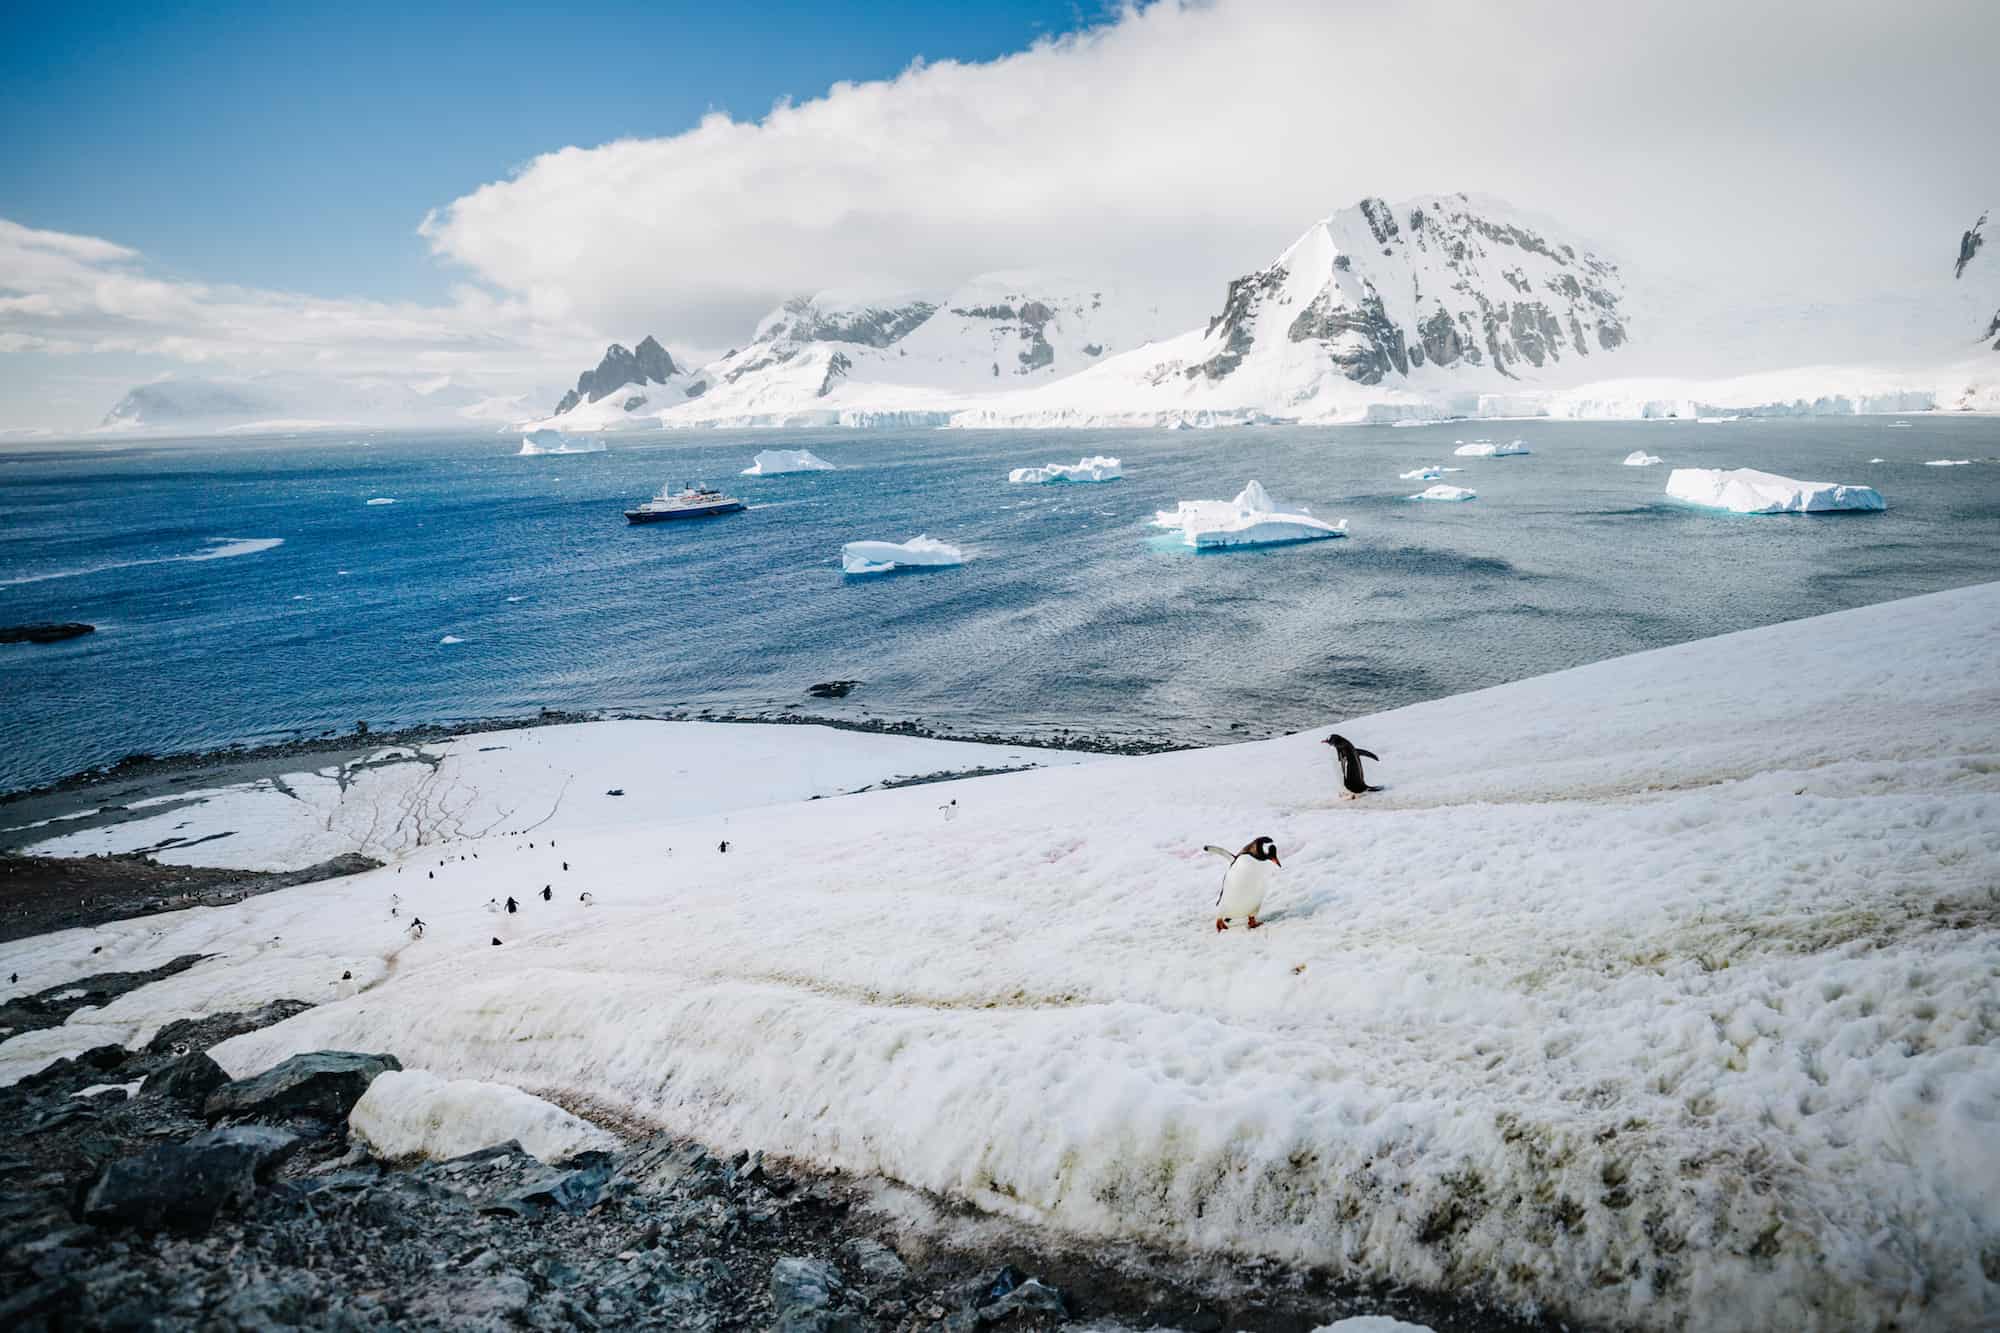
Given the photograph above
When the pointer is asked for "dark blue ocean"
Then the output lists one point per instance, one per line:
(1070, 614)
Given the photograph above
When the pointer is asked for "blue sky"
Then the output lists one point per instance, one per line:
(297, 146)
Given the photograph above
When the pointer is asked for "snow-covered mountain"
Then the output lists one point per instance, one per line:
(1982, 280)
(648, 364)
(838, 359)
(1373, 309)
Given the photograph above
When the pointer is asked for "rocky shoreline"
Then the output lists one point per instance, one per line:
(143, 1189)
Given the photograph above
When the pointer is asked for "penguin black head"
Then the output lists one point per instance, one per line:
(1262, 849)
(1338, 742)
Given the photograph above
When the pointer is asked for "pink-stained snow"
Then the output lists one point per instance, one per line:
(1678, 968)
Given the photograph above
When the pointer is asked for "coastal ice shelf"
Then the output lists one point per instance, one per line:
(1253, 518)
(920, 552)
(1677, 968)
(1747, 491)
(1096, 468)
(776, 462)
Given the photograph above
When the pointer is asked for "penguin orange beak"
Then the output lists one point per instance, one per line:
(1276, 862)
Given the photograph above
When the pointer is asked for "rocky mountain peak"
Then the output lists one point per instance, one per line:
(825, 319)
(650, 363)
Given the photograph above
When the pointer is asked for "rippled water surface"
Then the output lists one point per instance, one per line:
(247, 590)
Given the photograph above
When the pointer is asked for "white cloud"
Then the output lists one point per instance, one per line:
(1182, 144)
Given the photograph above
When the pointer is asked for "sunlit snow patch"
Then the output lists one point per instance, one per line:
(1747, 491)
(920, 551)
(774, 462)
(1094, 468)
(1253, 518)
(1640, 458)
(547, 441)
(1445, 493)
(1488, 449)
(414, 1113)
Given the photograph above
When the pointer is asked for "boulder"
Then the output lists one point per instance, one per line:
(187, 1081)
(321, 1084)
(801, 1285)
(184, 1185)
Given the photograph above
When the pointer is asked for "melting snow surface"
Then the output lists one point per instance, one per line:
(1747, 491)
(881, 557)
(774, 462)
(1253, 518)
(1096, 468)
(1678, 967)
(415, 1113)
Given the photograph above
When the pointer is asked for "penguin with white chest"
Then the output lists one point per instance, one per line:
(1244, 883)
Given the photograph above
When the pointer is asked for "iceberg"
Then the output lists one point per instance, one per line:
(1949, 462)
(382, 500)
(555, 442)
(776, 462)
(920, 551)
(1431, 473)
(1095, 468)
(1446, 493)
(1488, 449)
(1253, 518)
(1640, 458)
(1747, 491)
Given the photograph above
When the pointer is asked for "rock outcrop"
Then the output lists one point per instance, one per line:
(649, 363)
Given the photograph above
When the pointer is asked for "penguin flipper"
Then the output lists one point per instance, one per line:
(1370, 754)
(1223, 852)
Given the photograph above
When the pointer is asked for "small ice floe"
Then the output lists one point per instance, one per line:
(921, 551)
(1488, 449)
(451, 638)
(1899, 425)
(776, 462)
(1949, 462)
(1445, 493)
(1878, 460)
(1747, 491)
(383, 500)
(1431, 473)
(1640, 458)
(515, 598)
(555, 442)
(1253, 518)
(1094, 468)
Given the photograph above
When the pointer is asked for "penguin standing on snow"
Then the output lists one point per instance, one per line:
(1350, 765)
(548, 892)
(1243, 884)
(512, 907)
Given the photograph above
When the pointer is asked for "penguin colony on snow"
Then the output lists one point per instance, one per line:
(1244, 883)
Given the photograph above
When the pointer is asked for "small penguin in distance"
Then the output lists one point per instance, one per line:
(722, 846)
(1243, 884)
(586, 898)
(512, 906)
(416, 928)
(548, 892)
(496, 939)
(1350, 765)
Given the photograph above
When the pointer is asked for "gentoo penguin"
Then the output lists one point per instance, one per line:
(496, 939)
(586, 899)
(723, 846)
(565, 865)
(492, 904)
(417, 928)
(512, 907)
(1244, 882)
(548, 892)
(1350, 765)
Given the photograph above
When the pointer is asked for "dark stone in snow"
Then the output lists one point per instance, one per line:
(322, 1084)
(187, 1081)
(183, 1186)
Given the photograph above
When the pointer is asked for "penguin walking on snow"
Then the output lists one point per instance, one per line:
(1350, 765)
(548, 892)
(1243, 884)
(512, 907)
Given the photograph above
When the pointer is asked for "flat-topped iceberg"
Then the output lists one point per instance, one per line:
(1488, 449)
(1431, 473)
(1747, 491)
(1095, 468)
(774, 462)
(555, 442)
(1446, 493)
(1640, 458)
(1253, 518)
(881, 557)
(1935, 462)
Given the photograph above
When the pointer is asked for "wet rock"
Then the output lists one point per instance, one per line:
(321, 1084)
(799, 1285)
(187, 1081)
(183, 1186)
(560, 1189)
(878, 1268)
(1032, 1301)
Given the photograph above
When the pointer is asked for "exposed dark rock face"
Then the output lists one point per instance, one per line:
(1246, 298)
(1376, 347)
(183, 1186)
(45, 633)
(1968, 246)
(320, 1084)
(649, 363)
(1028, 321)
(837, 367)
(187, 1081)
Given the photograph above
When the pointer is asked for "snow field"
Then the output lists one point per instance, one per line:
(1657, 993)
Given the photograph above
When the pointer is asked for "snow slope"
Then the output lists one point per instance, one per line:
(1655, 993)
